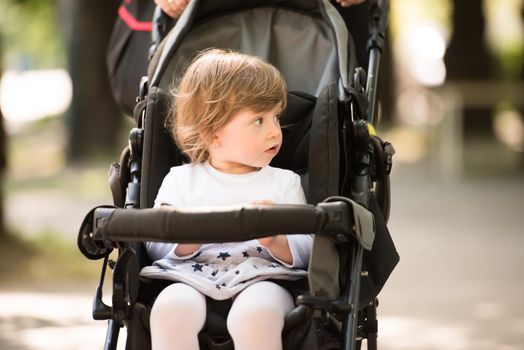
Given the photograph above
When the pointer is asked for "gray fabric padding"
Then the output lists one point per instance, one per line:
(174, 36)
(343, 43)
(324, 268)
(300, 46)
(364, 225)
(324, 148)
(324, 265)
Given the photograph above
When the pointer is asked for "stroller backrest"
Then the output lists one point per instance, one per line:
(305, 39)
(160, 152)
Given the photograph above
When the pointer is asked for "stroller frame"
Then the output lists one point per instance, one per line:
(103, 229)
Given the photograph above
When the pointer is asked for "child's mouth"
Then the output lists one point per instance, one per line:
(272, 150)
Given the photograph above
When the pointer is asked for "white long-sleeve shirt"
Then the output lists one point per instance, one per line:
(234, 265)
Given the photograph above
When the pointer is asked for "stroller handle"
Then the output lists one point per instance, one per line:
(220, 224)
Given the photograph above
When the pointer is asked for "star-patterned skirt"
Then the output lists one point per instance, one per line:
(222, 270)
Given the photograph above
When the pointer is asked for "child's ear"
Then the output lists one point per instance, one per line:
(215, 141)
(208, 138)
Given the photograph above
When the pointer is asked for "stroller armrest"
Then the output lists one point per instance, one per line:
(220, 224)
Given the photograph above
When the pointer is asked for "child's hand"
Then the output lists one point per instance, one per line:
(264, 202)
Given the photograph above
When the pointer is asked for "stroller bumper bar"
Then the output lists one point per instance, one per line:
(227, 224)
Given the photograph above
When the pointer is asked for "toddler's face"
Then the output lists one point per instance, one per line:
(248, 141)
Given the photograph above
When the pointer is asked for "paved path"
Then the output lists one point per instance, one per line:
(45, 321)
(459, 285)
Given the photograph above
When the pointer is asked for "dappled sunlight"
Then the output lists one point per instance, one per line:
(425, 46)
(31, 95)
(421, 46)
(509, 128)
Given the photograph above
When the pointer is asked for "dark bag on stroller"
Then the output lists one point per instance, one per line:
(127, 55)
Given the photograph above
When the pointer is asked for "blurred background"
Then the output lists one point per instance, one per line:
(451, 102)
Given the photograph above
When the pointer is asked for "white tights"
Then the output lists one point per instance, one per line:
(255, 320)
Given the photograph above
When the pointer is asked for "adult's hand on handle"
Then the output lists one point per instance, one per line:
(172, 8)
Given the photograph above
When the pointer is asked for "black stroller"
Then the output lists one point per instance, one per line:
(329, 141)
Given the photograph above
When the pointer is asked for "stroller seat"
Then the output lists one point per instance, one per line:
(323, 141)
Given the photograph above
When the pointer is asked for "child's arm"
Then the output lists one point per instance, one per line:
(278, 246)
(293, 250)
(171, 193)
(186, 249)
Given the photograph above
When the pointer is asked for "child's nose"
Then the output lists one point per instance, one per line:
(274, 130)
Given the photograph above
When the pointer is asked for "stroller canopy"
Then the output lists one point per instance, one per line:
(305, 39)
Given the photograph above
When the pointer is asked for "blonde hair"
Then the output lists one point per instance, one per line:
(216, 85)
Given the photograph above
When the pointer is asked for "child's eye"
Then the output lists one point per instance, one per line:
(258, 121)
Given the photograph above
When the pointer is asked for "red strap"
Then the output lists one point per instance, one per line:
(132, 22)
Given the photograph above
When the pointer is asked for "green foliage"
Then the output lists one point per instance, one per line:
(510, 62)
(29, 34)
(505, 35)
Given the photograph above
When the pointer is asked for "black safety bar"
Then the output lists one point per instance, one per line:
(221, 224)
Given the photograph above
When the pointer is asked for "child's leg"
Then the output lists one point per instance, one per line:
(256, 318)
(177, 316)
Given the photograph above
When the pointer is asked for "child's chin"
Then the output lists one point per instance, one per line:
(263, 164)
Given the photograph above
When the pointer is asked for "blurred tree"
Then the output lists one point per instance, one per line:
(30, 29)
(3, 157)
(3, 168)
(94, 118)
(30, 35)
(27, 40)
(468, 57)
(522, 76)
(522, 20)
